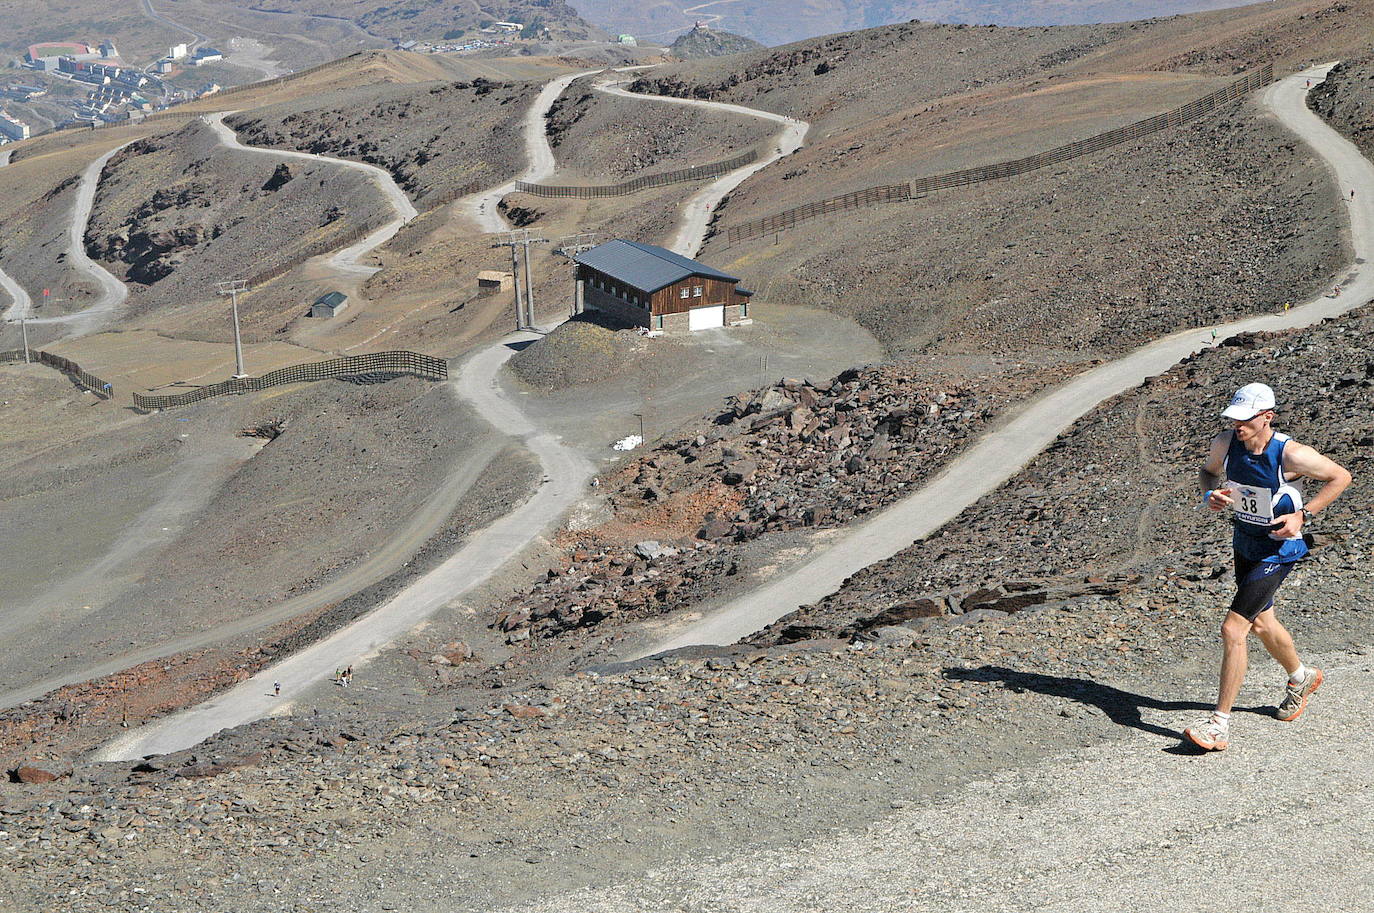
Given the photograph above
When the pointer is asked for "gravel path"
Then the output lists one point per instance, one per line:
(1176, 830)
(112, 291)
(482, 207)
(566, 474)
(987, 465)
(696, 212)
(349, 259)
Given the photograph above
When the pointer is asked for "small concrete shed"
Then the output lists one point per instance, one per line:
(329, 305)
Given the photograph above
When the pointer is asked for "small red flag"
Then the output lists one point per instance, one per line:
(47, 292)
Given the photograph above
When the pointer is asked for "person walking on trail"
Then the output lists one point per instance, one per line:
(1251, 469)
(276, 689)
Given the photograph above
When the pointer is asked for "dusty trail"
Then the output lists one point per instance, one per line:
(481, 207)
(188, 487)
(346, 260)
(696, 212)
(382, 561)
(197, 39)
(565, 479)
(112, 292)
(1121, 829)
(21, 305)
(1002, 453)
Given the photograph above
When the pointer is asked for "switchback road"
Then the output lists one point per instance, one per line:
(349, 259)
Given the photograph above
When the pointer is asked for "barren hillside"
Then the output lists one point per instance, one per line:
(175, 214)
(434, 138)
(607, 138)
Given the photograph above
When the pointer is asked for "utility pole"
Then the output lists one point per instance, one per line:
(515, 280)
(232, 287)
(24, 329)
(524, 312)
(570, 247)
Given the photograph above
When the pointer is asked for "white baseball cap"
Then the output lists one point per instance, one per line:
(1249, 401)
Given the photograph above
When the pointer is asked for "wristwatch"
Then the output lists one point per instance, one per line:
(1306, 515)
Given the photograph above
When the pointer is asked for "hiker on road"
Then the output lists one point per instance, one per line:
(1251, 468)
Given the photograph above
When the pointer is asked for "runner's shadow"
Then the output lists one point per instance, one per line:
(1121, 707)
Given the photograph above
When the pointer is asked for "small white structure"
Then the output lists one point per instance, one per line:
(176, 52)
(13, 129)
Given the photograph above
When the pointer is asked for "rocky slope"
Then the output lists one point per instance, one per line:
(685, 518)
(580, 780)
(703, 41)
(1346, 100)
(436, 139)
(1082, 258)
(1115, 497)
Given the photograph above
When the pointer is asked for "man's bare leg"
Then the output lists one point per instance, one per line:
(1234, 659)
(1277, 640)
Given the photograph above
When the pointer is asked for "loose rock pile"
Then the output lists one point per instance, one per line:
(797, 454)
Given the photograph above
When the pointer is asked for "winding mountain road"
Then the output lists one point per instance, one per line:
(696, 212)
(112, 292)
(349, 259)
(1002, 453)
(565, 476)
(483, 207)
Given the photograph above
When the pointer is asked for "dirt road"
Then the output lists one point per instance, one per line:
(696, 212)
(481, 207)
(20, 303)
(1000, 455)
(566, 474)
(349, 259)
(380, 562)
(1126, 828)
(112, 291)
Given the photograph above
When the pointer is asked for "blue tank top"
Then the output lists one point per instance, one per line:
(1257, 475)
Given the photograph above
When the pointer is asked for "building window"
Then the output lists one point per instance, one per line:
(684, 293)
(696, 291)
(658, 321)
(743, 309)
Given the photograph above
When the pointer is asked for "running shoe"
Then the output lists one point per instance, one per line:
(1295, 696)
(1209, 736)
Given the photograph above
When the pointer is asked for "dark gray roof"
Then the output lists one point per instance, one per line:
(333, 299)
(644, 266)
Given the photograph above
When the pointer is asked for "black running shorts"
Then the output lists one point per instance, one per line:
(1256, 584)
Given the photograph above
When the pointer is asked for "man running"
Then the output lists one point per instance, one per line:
(1258, 464)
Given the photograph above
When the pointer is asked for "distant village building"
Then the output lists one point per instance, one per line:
(176, 52)
(491, 281)
(206, 55)
(329, 305)
(13, 129)
(163, 66)
(627, 40)
(508, 26)
(652, 287)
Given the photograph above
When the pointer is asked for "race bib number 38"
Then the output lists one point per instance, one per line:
(1252, 505)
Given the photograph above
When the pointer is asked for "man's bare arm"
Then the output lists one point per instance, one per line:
(1210, 474)
(1307, 462)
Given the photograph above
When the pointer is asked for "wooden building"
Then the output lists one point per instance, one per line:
(655, 288)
